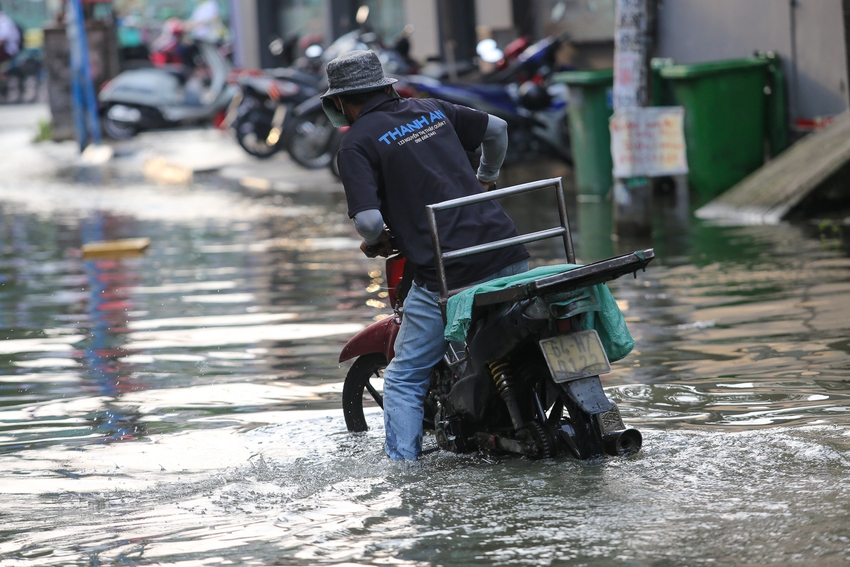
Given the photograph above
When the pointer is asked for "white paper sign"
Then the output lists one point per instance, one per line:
(648, 141)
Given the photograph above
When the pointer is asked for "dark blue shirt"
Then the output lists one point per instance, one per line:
(403, 154)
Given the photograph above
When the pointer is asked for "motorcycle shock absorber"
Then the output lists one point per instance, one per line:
(503, 376)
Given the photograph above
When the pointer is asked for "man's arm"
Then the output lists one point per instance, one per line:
(376, 239)
(369, 224)
(493, 148)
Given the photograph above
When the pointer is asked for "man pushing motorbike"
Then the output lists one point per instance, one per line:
(399, 156)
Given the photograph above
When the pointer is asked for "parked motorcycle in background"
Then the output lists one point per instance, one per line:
(261, 112)
(167, 96)
(300, 125)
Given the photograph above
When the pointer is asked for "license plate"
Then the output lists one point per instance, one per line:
(574, 356)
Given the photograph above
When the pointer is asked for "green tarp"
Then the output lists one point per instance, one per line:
(601, 312)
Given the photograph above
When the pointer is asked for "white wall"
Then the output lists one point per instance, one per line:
(821, 81)
(244, 19)
(692, 31)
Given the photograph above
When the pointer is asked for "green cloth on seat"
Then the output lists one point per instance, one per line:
(605, 317)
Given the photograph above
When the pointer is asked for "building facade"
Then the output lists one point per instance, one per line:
(437, 23)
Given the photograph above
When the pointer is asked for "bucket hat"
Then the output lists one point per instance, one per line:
(356, 71)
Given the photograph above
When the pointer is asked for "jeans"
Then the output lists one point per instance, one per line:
(419, 346)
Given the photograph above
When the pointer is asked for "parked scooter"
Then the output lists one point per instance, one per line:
(526, 378)
(144, 99)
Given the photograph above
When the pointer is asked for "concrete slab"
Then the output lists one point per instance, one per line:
(771, 193)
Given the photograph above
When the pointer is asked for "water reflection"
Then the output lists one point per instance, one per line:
(212, 359)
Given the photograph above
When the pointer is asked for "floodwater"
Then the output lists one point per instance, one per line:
(182, 407)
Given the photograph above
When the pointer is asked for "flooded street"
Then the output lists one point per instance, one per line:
(183, 407)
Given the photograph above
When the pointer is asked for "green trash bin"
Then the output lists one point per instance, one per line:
(724, 105)
(589, 108)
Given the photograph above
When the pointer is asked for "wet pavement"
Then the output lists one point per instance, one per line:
(182, 407)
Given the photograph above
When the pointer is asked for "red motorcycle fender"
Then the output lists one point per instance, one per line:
(377, 337)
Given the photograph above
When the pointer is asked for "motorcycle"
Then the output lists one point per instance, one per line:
(261, 112)
(310, 138)
(524, 379)
(536, 113)
(161, 97)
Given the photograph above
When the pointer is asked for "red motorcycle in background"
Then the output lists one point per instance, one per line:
(526, 378)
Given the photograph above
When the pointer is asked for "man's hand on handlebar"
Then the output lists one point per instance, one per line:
(382, 248)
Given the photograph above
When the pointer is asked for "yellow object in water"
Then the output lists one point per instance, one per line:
(126, 248)
(34, 38)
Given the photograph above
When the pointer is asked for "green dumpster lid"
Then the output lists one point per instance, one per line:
(584, 77)
(709, 68)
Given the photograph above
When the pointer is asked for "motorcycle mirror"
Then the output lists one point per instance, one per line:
(276, 47)
(488, 51)
(362, 14)
(313, 51)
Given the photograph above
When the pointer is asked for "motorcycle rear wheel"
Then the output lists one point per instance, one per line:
(359, 379)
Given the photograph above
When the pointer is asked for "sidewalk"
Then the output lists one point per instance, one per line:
(168, 157)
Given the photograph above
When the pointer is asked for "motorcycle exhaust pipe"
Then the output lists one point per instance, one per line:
(622, 443)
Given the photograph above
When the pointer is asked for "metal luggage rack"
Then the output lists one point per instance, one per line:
(583, 276)
(591, 274)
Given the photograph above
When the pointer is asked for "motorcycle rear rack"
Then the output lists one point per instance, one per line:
(591, 274)
(440, 257)
(583, 276)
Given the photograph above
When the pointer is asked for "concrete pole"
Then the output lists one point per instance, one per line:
(845, 7)
(632, 197)
(456, 19)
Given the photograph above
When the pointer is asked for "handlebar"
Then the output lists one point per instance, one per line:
(372, 249)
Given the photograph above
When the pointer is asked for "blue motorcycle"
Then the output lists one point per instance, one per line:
(536, 112)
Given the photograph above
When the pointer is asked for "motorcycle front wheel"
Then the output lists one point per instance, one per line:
(308, 140)
(252, 133)
(118, 129)
(363, 376)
